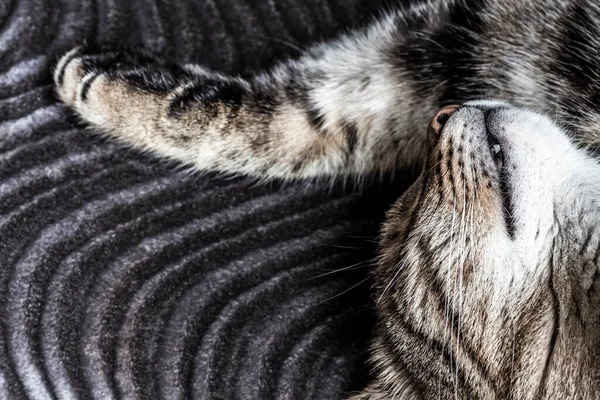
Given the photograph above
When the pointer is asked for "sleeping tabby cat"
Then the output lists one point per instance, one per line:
(487, 285)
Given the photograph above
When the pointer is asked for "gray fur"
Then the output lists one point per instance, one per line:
(359, 105)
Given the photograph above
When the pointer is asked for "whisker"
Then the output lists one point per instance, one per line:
(512, 362)
(432, 168)
(351, 267)
(448, 327)
(368, 239)
(345, 291)
(463, 240)
(339, 246)
(282, 41)
(400, 267)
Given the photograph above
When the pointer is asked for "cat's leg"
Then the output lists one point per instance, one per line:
(340, 109)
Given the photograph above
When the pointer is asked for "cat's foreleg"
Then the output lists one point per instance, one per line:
(340, 109)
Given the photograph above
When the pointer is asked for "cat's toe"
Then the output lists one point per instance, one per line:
(81, 66)
(68, 75)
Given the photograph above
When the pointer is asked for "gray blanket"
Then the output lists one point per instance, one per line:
(121, 277)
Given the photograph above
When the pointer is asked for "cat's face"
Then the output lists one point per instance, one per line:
(494, 254)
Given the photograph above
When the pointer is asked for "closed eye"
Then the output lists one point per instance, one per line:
(497, 155)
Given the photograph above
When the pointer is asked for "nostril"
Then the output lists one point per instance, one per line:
(442, 119)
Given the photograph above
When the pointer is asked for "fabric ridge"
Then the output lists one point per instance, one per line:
(124, 277)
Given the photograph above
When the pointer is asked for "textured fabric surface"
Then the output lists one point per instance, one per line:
(121, 277)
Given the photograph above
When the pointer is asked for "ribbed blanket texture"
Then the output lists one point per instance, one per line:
(122, 277)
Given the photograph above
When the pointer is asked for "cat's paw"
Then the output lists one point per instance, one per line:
(80, 67)
(85, 80)
(82, 77)
(103, 86)
(68, 75)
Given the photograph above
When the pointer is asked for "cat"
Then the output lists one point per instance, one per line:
(487, 281)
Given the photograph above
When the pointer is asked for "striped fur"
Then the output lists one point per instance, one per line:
(487, 282)
(479, 303)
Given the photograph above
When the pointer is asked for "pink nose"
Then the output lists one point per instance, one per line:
(440, 118)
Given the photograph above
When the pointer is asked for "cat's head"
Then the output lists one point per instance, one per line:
(489, 277)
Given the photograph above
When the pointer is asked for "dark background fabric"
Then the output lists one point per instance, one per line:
(122, 277)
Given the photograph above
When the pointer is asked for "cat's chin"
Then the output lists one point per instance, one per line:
(492, 241)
